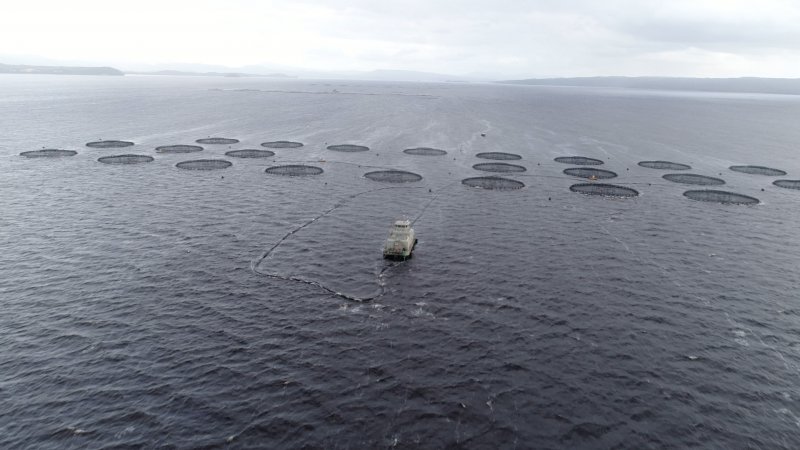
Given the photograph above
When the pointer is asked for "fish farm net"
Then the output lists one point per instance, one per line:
(217, 141)
(498, 156)
(425, 151)
(690, 178)
(48, 153)
(758, 170)
(665, 165)
(499, 167)
(788, 184)
(578, 160)
(281, 144)
(393, 176)
(583, 172)
(605, 190)
(109, 144)
(204, 164)
(250, 153)
(494, 183)
(179, 149)
(125, 159)
(721, 197)
(348, 148)
(294, 170)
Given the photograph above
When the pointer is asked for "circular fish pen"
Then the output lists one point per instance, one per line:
(595, 174)
(393, 176)
(281, 144)
(424, 151)
(605, 190)
(179, 149)
(725, 197)
(788, 184)
(499, 167)
(499, 156)
(348, 148)
(109, 144)
(217, 141)
(250, 153)
(294, 170)
(578, 160)
(48, 153)
(758, 170)
(125, 159)
(204, 164)
(690, 178)
(664, 165)
(493, 183)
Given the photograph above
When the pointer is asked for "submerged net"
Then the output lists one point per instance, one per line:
(499, 167)
(721, 197)
(125, 159)
(498, 156)
(204, 164)
(496, 183)
(250, 153)
(48, 153)
(348, 148)
(667, 165)
(109, 144)
(606, 190)
(589, 173)
(578, 160)
(393, 176)
(294, 170)
(281, 144)
(788, 184)
(217, 141)
(758, 170)
(690, 178)
(425, 151)
(179, 149)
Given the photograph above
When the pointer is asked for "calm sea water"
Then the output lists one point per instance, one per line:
(141, 308)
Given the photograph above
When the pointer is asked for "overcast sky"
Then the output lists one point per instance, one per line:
(497, 38)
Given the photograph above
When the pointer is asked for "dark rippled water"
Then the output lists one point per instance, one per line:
(136, 310)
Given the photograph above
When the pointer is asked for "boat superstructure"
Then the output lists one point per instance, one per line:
(401, 240)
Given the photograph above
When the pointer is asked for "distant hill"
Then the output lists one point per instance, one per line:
(210, 74)
(747, 84)
(59, 70)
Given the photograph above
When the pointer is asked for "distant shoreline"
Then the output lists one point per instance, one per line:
(755, 85)
(58, 70)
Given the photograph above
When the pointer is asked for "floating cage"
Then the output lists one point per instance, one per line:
(48, 153)
(250, 153)
(217, 141)
(583, 172)
(690, 178)
(499, 167)
(204, 164)
(350, 148)
(281, 144)
(294, 170)
(109, 144)
(425, 151)
(664, 165)
(758, 170)
(393, 176)
(606, 190)
(721, 197)
(498, 156)
(125, 159)
(495, 183)
(179, 149)
(578, 160)
(788, 184)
